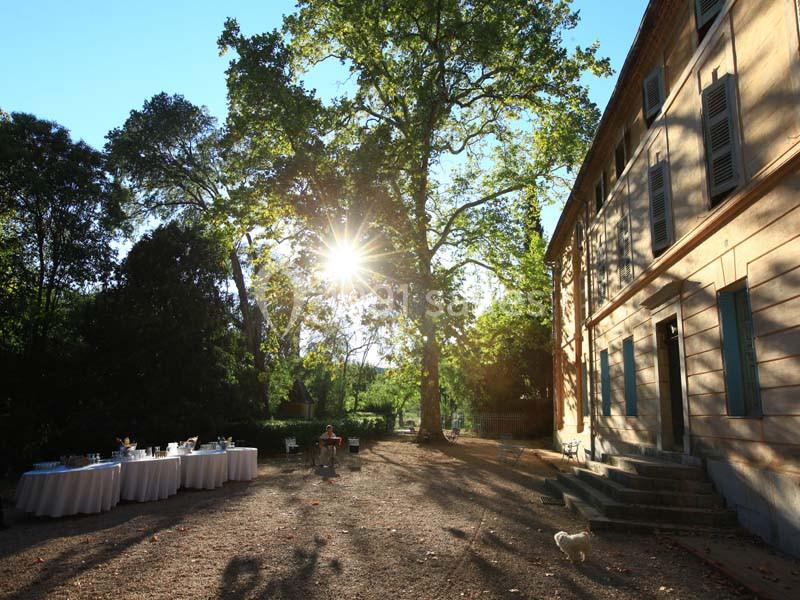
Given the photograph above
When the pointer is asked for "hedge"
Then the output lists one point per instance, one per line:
(268, 436)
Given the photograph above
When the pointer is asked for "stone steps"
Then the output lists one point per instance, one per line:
(597, 521)
(624, 494)
(640, 482)
(657, 469)
(639, 493)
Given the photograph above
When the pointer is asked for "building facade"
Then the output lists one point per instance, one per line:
(676, 260)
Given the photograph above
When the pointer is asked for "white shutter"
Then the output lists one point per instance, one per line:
(706, 10)
(720, 136)
(660, 206)
(654, 93)
(624, 260)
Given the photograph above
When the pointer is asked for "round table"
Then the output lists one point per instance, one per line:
(242, 464)
(62, 491)
(150, 479)
(204, 469)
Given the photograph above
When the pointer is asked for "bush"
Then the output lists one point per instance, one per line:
(268, 436)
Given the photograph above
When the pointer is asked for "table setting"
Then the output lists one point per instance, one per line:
(242, 463)
(150, 478)
(60, 490)
(204, 469)
(89, 484)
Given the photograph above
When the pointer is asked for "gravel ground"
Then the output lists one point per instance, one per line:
(421, 522)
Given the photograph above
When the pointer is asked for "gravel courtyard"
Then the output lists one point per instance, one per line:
(421, 522)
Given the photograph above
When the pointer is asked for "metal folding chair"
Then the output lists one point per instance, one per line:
(353, 448)
(569, 450)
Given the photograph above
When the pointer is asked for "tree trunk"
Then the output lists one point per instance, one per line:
(251, 324)
(431, 417)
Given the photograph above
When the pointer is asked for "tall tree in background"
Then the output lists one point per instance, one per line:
(60, 213)
(171, 153)
(160, 352)
(460, 109)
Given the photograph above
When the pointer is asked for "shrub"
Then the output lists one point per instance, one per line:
(268, 436)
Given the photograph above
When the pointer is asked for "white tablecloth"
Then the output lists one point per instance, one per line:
(61, 491)
(205, 469)
(150, 479)
(242, 464)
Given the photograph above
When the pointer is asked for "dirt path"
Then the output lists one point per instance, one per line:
(415, 522)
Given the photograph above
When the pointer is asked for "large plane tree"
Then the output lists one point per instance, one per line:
(455, 113)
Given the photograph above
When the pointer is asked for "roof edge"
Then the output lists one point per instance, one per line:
(630, 59)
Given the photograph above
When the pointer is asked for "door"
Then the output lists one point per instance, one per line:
(669, 375)
(675, 392)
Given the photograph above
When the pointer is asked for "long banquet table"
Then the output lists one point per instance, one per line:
(204, 469)
(62, 491)
(242, 464)
(150, 479)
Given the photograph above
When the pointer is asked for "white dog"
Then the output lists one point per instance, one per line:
(574, 546)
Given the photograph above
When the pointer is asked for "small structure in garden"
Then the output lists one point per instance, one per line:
(299, 405)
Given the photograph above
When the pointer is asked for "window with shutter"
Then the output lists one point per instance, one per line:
(654, 94)
(722, 155)
(620, 158)
(660, 207)
(601, 275)
(738, 353)
(624, 257)
(629, 366)
(600, 193)
(605, 383)
(705, 11)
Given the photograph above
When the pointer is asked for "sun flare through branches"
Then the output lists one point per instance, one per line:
(343, 262)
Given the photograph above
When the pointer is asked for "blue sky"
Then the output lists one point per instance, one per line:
(87, 63)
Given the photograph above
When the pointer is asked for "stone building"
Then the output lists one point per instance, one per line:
(676, 260)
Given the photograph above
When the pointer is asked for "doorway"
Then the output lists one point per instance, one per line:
(671, 393)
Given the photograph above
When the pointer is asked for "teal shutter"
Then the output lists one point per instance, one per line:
(738, 354)
(731, 354)
(585, 389)
(600, 272)
(653, 92)
(747, 345)
(605, 383)
(660, 206)
(720, 136)
(706, 10)
(630, 377)
(624, 252)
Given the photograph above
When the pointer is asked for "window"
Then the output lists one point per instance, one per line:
(654, 94)
(600, 193)
(722, 148)
(620, 157)
(705, 12)
(585, 378)
(660, 207)
(738, 352)
(629, 366)
(605, 383)
(624, 250)
(600, 270)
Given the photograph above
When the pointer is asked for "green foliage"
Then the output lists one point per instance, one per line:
(268, 436)
(170, 365)
(59, 213)
(462, 112)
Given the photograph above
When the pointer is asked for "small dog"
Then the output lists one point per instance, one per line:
(574, 546)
